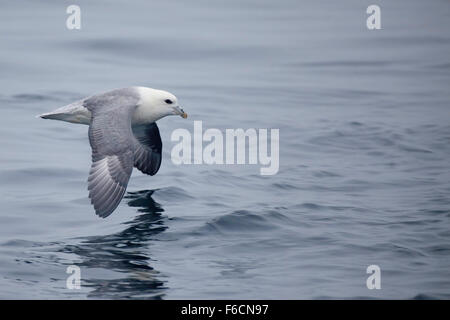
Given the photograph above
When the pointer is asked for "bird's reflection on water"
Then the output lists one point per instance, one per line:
(125, 253)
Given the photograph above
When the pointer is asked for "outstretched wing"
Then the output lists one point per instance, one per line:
(108, 180)
(112, 142)
(148, 148)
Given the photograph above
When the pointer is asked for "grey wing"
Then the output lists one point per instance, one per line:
(148, 149)
(108, 180)
(112, 143)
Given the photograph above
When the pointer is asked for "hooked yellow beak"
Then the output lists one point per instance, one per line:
(181, 112)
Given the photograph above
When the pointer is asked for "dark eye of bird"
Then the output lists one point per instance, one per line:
(168, 101)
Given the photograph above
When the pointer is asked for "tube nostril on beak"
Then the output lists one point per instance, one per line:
(180, 112)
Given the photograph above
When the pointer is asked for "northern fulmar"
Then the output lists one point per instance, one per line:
(122, 134)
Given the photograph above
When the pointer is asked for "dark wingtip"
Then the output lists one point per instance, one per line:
(98, 212)
(101, 212)
(103, 215)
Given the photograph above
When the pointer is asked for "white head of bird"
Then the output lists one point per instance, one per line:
(155, 104)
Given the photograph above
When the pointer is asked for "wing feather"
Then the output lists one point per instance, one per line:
(148, 148)
(107, 182)
(112, 142)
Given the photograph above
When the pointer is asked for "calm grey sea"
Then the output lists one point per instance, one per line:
(364, 119)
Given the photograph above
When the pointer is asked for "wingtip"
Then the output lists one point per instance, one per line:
(101, 212)
(102, 215)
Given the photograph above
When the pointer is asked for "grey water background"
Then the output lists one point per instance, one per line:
(364, 150)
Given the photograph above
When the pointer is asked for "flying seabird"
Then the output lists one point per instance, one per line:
(122, 134)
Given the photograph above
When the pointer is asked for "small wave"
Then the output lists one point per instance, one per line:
(246, 221)
(413, 149)
(174, 194)
(37, 175)
(19, 243)
(317, 207)
(325, 174)
(29, 97)
(284, 186)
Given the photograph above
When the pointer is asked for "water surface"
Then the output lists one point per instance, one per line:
(364, 146)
